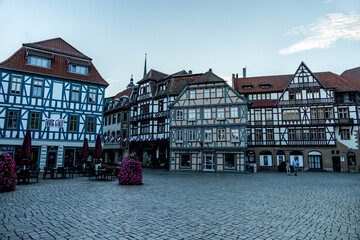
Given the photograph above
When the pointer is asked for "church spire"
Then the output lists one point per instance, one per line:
(145, 66)
(131, 84)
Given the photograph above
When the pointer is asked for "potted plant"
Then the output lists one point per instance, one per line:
(130, 171)
(8, 177)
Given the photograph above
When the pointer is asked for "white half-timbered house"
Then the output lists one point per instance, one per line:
(307, 116)
(116, 126)
(208, 122)
(55, 91)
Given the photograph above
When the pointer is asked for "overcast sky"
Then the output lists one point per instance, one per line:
(268, 37)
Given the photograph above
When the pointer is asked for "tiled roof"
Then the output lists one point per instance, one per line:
(57, 45)
(177, 84)
(59, 64)
(207, 77)
(153, 75)
(127, 92)
(279, 82)
(353, 76)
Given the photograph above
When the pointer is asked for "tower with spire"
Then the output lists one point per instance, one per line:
(131, 84)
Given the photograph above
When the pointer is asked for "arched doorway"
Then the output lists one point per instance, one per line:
(314, 158)
(265, 159)
(297, 155)
(280, 157)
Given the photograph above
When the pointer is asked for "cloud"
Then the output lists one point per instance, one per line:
(325, 32)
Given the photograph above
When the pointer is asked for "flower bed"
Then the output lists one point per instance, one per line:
(8, 178)
(130, 172)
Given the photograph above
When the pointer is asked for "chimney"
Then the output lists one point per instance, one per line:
(210, 70)
(190, 72)
(237, 75)
(244, 72)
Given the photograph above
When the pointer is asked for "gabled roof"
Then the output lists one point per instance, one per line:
(126, 93)
(207, 77)
(57, 45)
(353, 76)
(279, 82)
(153, 75)
(60, 59)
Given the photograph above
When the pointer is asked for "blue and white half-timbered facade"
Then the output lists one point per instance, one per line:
(208, 123)
(55, 91)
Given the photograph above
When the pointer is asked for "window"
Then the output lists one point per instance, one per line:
(291, 134)
(135, 111)
(34, 121)
(185, 161)
(270, 134)
(206, 93)
(118, 117)
(192, 94)
(125, 117)
(114, 118)
(13, 118)
(248, 133)
(221, 135)
(235, 135)
(90, 128)
(180, 136)
(73, 124)
(192, 114)
(207, 113)
(291, 114)
(306, 134)
(343, 113)
(92, 95)
(16, 83)
(220, 113)
(313, 94)
(38, 61)
(269, 115)
(258, 135)
(229, 161)
(135, 130)
(37, 88)
(144, 109)
(109, 120)
(161, 105)
(78, 69)
(179, 114)
(298, 134)
(313, 113)
(192, 135)
(207, 135)
(105, 121)
(257, 115)
(321, 134)
(75, 93)
(219, 92)
(234, 112)
(329, 113)
(162, 88)
(161, 126)
(145, 128)
(313, 134)
(345, 134)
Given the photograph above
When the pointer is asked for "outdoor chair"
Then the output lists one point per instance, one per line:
(23, 176)
(70, 172)
(35, 174)
(61, 171)
(108, 175)
(116, 172)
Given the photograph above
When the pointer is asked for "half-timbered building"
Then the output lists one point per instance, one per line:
(149, 121)
(307, 116)
(208, 122)
(55, 91)
(116, 125)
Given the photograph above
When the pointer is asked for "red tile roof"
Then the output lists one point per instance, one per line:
(353, 76)
(59, 63)
(207, 77)
(279, 82)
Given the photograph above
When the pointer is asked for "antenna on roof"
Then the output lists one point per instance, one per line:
(145, 66)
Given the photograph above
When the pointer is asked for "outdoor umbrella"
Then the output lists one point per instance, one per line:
(85, 151)
(25, 151)
(98, 150)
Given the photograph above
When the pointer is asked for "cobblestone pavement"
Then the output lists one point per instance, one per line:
(313, 205)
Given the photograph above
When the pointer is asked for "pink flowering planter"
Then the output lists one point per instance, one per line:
(8, 178)
(130, 172)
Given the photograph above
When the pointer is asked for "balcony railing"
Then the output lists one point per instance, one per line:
(148, 116)
(144, 96)
(304, 85)
(345, 121)
(306, 101)
(293, 143)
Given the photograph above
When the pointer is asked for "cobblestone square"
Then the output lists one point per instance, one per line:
(270, 205)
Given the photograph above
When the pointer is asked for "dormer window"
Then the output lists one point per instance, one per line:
(38, 61)
(265, 85)
(78, 69)
(247, 86)
(162, 88)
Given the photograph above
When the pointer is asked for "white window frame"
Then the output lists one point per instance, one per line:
(207, 93)
(192, 115)
(192, 135)
(179, 114)
(234, 112)
(192, 94)
(207, 135)
(219, 92)
(235, 135)
(220, 113)
(207, 113)
(179, 136)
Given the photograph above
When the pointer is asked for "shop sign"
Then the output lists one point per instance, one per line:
(54, 123)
